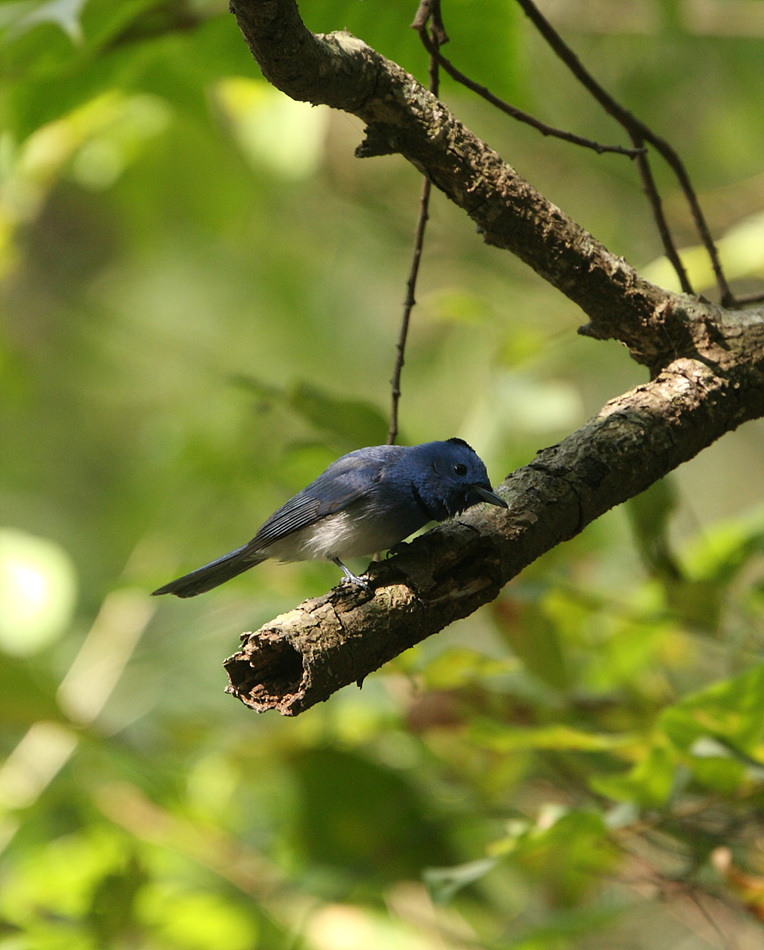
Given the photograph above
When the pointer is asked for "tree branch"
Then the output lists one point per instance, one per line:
(707, 366)
(303, 656)
(403, 117)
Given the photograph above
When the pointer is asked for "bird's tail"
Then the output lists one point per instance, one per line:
(217, 572)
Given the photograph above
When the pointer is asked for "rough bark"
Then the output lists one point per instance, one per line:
(706, 366)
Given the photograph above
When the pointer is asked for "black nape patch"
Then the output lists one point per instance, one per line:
(455, 441)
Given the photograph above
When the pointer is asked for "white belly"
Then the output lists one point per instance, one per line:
(337, 536)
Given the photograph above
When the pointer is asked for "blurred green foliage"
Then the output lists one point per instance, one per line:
(200, 297)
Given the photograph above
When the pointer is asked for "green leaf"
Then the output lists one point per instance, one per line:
(196, 919)
(732, 709)
(354, 423)
(730, 714)
(568, 850)
(460, 666)
(557, 738)
(723, 551)
(350, 423)
(46, 76)
(648, 784)
(444, 883)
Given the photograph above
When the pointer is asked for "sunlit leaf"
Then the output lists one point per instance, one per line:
(740, 251)
(559, 738)
(729, 713)
(719, 554)
(195, 919)
(648, 784)
(273, 130)
(458, 667)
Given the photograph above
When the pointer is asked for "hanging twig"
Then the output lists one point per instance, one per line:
(429, 12)
(639, 134)
(653, 196)
(427, 9)
(515, 113)
(408, 305)
(636, 129)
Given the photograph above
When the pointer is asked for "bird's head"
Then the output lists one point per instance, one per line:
(452, 478)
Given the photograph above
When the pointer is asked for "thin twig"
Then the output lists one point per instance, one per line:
(639, 133)
(653, 196)
(639, 151)
(429, 12)
(428, 9)
(516, 113)
(408, 305)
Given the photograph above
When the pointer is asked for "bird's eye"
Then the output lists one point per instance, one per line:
(460, 469)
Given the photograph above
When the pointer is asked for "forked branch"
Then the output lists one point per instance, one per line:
(707, 368)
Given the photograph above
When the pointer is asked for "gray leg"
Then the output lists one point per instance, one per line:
(353, 578)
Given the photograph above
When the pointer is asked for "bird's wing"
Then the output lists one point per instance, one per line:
(344, 482)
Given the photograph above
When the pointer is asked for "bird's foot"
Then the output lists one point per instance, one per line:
(350, 576)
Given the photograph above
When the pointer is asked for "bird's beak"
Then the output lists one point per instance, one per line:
(486, 494)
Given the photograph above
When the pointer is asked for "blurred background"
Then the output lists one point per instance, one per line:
(201, 291)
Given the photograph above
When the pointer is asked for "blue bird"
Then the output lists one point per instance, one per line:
(366, 501)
